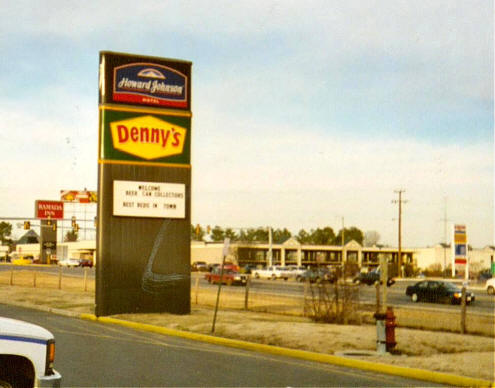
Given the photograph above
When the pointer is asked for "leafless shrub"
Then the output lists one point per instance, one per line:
(333, 303)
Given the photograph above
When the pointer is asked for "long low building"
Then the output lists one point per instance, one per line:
(291, 252)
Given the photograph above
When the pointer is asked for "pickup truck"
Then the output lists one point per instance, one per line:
(27, 354)
(229, 277)
(273, 272)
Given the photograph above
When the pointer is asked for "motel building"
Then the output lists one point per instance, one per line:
(290, 252)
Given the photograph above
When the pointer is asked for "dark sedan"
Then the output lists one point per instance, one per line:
(437, 292)
(371, 278)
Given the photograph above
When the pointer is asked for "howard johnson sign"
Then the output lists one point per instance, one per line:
(151, 84)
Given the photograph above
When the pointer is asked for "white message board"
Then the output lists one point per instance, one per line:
(149, 199)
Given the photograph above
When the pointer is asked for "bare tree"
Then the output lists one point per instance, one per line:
(371, 237)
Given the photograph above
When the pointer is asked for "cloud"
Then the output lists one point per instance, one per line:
(301, 178)
(303, 113)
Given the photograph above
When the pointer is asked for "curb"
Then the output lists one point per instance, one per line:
(413, 373)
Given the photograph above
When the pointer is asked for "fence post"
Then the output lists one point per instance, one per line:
(305, 306)
(34, 279)
(246, 295)
(60, 277)
(463, 310)
(219, 286)
(196, 287)
(85, 279)
(378, 303)
(12, 276)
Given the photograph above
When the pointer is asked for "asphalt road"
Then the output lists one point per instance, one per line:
(93, 354)
(484, 304)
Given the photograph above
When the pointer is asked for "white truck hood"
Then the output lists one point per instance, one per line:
(16, 328)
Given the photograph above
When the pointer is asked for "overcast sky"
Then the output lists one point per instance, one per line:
(303, 111)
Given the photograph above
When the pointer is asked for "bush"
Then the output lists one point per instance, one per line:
(434, 270)
(333, 303)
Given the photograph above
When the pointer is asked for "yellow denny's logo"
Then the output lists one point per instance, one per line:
(148, 137)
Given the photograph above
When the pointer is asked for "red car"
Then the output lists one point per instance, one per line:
(85, 263)
(229, 277)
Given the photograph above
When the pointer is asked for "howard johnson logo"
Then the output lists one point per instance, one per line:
(150, 84)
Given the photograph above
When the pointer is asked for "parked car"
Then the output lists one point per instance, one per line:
(371, 278)
(27, 355)
(317, 275)
(295, 271)
(485, 275)
(490, 286)
(229, 277)
(86, 263)
(22, 260)
(437, 292)
(200, 266)
(226, 265)
(271, 273)
(71, 263)
(247, 269)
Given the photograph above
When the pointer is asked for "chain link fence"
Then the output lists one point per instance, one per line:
(338, 302)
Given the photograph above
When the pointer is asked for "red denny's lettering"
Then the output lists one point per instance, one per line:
(148, 137)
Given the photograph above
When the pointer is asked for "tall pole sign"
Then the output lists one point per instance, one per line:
(48, 212)
(460, 249)
(144, 185)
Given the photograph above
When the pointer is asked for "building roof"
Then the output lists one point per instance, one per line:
(30, 237)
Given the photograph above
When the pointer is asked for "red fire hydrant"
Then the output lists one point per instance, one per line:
(390, 326)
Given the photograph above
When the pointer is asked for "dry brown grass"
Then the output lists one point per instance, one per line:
(468, 355)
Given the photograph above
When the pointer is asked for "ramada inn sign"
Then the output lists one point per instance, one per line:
(49, 209)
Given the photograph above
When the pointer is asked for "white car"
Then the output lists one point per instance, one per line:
(296, 271)
(27, 354)
(272, 272)
(69, 263)
(490, 286)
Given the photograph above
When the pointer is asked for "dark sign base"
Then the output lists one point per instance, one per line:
(125, 301)
(142, 264)
(48, 241)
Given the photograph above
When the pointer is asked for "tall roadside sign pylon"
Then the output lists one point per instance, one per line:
(144, 185)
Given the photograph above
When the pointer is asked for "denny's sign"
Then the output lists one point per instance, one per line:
(135, 136)
(148, 137)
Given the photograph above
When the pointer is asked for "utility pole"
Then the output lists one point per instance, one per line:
(344, 262)
(270, 251)
(400, 201)
(343, 258)
(343, 231)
